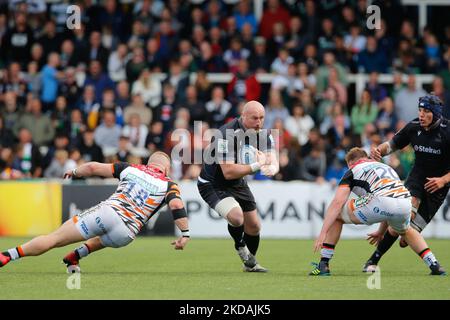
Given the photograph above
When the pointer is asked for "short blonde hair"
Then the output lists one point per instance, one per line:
(355, 154)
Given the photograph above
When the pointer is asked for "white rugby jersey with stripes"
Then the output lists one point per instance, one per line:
(141, 192)
(372, 177)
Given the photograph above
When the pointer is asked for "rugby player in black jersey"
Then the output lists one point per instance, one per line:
(428, 181)
(239, 148)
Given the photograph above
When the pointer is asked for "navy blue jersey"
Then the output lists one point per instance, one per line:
(431, 148)
(234, 144)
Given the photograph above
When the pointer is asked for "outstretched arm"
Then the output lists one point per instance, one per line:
(333, 211)
(181, 221)
(90, 169)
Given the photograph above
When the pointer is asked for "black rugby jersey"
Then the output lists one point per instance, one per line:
(431, 148)
(234, 144)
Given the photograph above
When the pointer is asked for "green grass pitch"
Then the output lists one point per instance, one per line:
(149, 268)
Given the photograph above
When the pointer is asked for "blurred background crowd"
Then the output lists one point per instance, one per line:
(118, 87)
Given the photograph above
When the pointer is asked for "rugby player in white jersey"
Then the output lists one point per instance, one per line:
(382, 197)
(115, 222)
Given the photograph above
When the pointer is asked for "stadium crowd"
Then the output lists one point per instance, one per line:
(93, 93)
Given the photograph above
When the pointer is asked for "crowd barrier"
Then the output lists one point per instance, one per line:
(287, 209)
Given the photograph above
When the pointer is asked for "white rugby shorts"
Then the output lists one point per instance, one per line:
(101, 220)
(371, 209)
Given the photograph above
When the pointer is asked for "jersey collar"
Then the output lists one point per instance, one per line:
(361, 161)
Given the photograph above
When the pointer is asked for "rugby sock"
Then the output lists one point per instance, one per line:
(236, 234)
(326, 253)
(14, 253)
(82, 251)
(428, 257)
(384, 245)
(252, 243)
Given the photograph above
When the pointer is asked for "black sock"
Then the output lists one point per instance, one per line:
(252, 242)
(326, 252)
(383, 247)
(236, 234)
(6, 253)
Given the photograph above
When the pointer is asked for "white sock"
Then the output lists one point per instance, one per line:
(428, 257)
(14, 253)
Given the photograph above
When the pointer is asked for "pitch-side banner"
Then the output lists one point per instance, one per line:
(289, 210)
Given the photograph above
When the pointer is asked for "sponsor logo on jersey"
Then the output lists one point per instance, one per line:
(382, 212)
(362, 216)
(426, 149)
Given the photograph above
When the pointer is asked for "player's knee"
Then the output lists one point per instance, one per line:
(235, 217)
(252, 227)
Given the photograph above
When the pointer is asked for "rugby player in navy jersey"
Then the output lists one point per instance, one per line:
(428, 181)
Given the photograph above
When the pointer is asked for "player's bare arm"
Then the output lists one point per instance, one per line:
(434, 184)
(233, 171)
(333, 211)
(384, 149)
(90, 169)
(181, 221)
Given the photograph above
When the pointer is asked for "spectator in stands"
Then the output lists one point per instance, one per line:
(377, 91)
(208, 61)
(299, 124)
(136, 132)
(307, 79)
(117, 62)
(364, 112)
(37, 55)
(88, 102)
(314, 165)
(50, 81)
(123, 94)
(148, 87)
(135, 65)
(50, 40)
(33, 79)
(112, 15)
(37, 123)
(386, 119)
(59, 165)
(244, 15)
(60, 116)
(178, 78)
(354, 41)
(107, 134)
(438, 89)
(259, 60)
(138, 107)
(17, 41)
(236, 53)
(281, 64)
(203, 86)
(123, 153)
(196, 108)
(335, 83)
(219, 109)
(89, 150)
(278, 39)
(273, 13)
(296, 39)
(325, 42)
(69, 88)
(99, 79)
(407, 99)
(10, 110)
(336, 125)
(372, 58)
(95, 50)
(155, 138)
(323, 72)
(76, 127)
(445, 72)
(244, 85)
(27, 158)
(275, 109)
(6, 136)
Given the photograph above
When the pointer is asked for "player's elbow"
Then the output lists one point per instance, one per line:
(176, 204)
